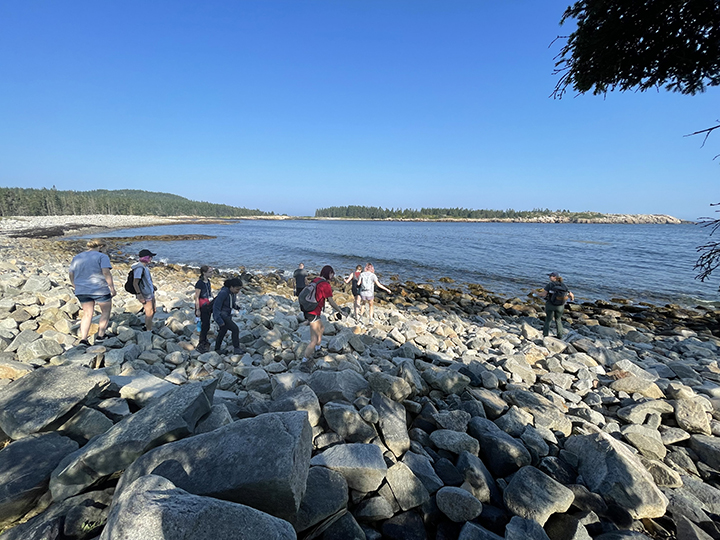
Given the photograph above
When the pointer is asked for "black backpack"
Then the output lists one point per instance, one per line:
(308, 297)
(559, 294)
(129, 283)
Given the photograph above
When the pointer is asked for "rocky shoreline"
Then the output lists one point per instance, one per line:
(450, 417)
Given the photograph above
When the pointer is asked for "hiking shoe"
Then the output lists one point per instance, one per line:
(84, 342)
(237, 350)
(203, 347)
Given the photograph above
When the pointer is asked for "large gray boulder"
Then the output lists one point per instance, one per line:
(532, 494)
(707, 448)
(44, 397)
(172, 416)
(345, 420)
(301, 398)
(608, 467)
(326, 494)
(337, 385)
(392, 424)
(262, 462)
(544, 411)
(503, 454)
(25, 468)
(362, 465)
(141, 386)
(152, 508)
(407, 488)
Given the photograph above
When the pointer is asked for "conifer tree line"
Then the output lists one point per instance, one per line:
(374, 212)
(52, 202)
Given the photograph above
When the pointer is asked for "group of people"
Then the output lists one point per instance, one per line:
(363, 290)
(91, 278)
(220, 307)
(92, 281)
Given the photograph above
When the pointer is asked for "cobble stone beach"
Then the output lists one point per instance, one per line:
(449, 416)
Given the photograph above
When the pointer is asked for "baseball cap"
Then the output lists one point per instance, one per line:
(146, 253)
(553, 274)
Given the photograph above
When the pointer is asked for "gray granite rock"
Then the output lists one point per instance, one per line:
(525, 529)
(691, 417)
(646, 439)
(454, 441)
(300, 398)
(396, 388)
(532, 494)
(171, 416)
(458, 504)
(337, 385)
(407, 488)
(362, 465)
(446, 380)
(86, 424)
(326, 493)
(502, 453)
(422, 468)
(707, 448)
(153, 508)
(25, 468)
(471, 531)
(261, 462)
(141, 387)
(392, 423)
(39, 399)
(345, 420)
(609, 468)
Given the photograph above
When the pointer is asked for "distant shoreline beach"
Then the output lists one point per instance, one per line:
(56, 226)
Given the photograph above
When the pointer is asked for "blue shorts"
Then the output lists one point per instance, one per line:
(97, 298)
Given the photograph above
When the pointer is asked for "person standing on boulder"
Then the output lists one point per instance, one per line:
(355, 291)
(92, 281)
(366, 284)
(224, 303)
(300, 276)
(556, 294)
(203, 307)
(323, 291)
(144, 288)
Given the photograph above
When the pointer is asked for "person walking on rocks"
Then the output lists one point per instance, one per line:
(300, 276)
(203, 306)
(353, 277)
(556, 294)
(144, 288)
(323, 291)
(92, 281)
(222, 308)
(366, 284)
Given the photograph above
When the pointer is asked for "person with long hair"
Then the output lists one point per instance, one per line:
(92, 281)
(323, 292)
(366, 285)
(556, 294)
(353, 277)
(203, 306)
(224, 303)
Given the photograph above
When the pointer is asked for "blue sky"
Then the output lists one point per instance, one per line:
(291, 106)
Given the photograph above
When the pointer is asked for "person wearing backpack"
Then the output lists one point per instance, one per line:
(556, 294)
(203, 306)
(143, 286)
(222, 307)
(323, 291)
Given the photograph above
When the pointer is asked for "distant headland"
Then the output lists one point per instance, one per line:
(156, 206)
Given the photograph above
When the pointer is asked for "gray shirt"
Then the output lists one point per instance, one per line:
(142, 273)
(86, 268)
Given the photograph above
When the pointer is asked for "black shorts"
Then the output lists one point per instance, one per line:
(310, 317)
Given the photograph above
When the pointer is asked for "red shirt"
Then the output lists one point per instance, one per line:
(322, 292)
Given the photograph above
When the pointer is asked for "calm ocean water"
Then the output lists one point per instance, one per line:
(650, 263)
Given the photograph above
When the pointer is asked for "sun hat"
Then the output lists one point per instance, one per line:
(146, 253)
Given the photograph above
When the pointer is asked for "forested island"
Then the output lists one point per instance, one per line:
(537, 215)
(53, 202)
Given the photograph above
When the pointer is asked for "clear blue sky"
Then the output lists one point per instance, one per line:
(288, 106)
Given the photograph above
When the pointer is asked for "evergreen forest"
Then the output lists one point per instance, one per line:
(374, 212)
(52, 202)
